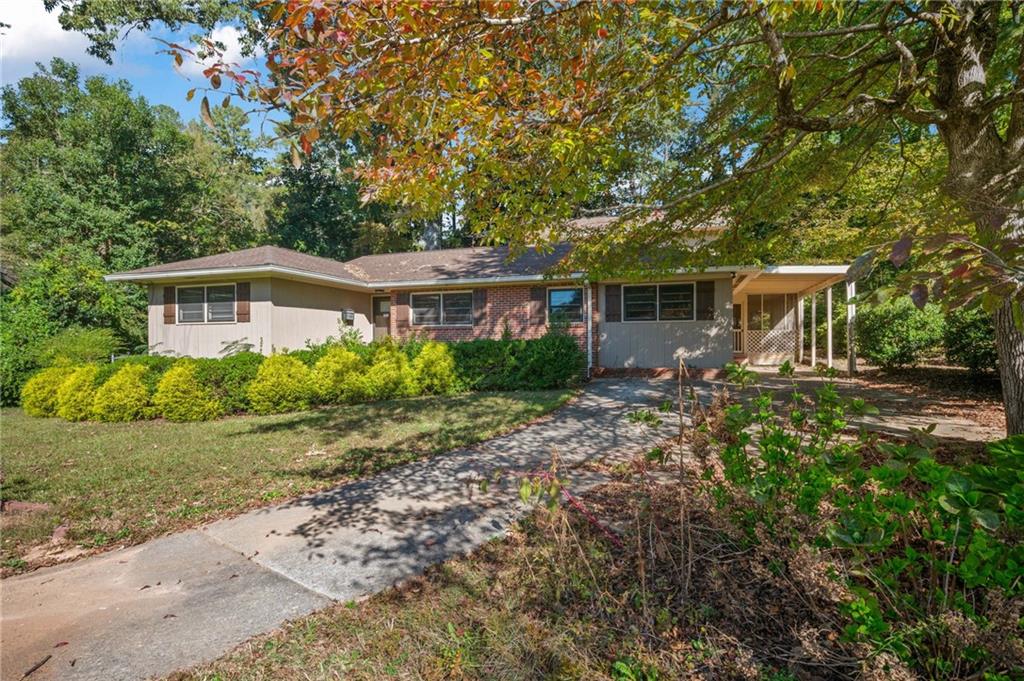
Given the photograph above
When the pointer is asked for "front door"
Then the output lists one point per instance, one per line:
(381, 317)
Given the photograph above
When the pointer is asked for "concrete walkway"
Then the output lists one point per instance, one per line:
(187, 598)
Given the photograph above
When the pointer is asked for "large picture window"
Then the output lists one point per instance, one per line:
(659, 302)
(199, 304)
(451, 308)
(565, 304)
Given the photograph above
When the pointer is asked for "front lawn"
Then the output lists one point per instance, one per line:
(125, 483)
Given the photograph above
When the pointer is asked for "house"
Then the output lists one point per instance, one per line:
(270, 298)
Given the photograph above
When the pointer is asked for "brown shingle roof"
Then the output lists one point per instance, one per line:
(455, 263)
(255, 257)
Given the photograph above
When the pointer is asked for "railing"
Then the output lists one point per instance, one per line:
(737, 340)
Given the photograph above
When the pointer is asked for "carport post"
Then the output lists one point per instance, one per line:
(851, 317)
(800, 330)
(814, 329)
(828, 325)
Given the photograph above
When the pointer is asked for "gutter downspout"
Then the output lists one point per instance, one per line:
(590, 328)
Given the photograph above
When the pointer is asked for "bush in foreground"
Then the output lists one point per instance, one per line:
(76, 393)
(124, 397)
(388, 377)
(332, 372)
(229, 378)
(970, 340)
(896, 334)
(181, 397)
(434, 369)
(39, 395)
(282, 383)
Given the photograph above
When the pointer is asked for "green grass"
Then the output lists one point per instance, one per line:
(124, 483)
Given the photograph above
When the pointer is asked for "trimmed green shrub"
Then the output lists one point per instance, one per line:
(124, 397)
(896, 334)
(970, 340)
(552, 361)
(434, 369)
(229, 378)
(488, 364)
(389, 376)
(156, 365)
(181, 397)
(39, 395)
(76, 393)
(332, 371)
(78, 345)
(282, 383)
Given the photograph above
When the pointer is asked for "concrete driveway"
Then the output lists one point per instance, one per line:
(187, 598)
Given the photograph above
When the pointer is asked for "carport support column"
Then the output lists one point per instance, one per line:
(800, 330)
(828, 325)
(814, 329)
(851, 318)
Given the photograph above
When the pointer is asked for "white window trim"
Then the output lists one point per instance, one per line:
(206, 304)
(441, 321)
(583, 303)
(657, 303)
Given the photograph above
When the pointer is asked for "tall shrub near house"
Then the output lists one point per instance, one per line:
(229, 378)
(332, 372)
(180, 396)
(896, 334)
(39, 395)
(552, 361)
(434, 369)
(124, 397)
(389, 376)
(76, 393)
(282, 383)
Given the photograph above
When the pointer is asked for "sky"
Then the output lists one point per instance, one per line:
(35, 35)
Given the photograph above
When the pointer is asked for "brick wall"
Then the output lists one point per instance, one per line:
(506, 306)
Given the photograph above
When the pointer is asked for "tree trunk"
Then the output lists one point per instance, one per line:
(1010, 348)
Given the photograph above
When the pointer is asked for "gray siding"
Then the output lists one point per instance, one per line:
(702, 344)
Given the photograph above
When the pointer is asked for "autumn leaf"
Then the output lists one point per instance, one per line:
(204, 112)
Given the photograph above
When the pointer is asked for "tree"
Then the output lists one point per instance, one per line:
(680, 113)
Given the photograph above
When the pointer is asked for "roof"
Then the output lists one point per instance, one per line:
(456, 263)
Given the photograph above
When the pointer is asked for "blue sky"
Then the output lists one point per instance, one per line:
(36, 36)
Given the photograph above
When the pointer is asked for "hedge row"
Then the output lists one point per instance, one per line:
(189, 389)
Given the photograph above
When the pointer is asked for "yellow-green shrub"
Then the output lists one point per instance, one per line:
(282, 383)
(331, 372)
(75, 394)
(39, 395)
(388, 377)
(124, 397)
(434, 368)
(180, 396)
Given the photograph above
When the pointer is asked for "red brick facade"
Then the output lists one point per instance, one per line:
(506, 307)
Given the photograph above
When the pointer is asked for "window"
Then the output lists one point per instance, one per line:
(675, 302)
(664, 302)
(639, 303)
(565, 304)
(198, 304)
(442, 309)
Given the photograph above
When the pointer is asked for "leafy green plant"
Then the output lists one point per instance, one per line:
(228, 378)
(553, 360)
(389, 376)
(332, 372)
(77, 345)
(969, 340)
(282, 383)
(181, 397)
(75, 394)
(39, 395)
(896, 334)
(124, 397)
(434, 368)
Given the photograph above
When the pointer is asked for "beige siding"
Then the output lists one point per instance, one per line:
(307, 312)
(210, 340)
(702, 344)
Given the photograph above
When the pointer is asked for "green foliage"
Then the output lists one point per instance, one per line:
(970, 340)
(282, 383)
(124, 397)
(488, 364)
(39, 395)
(75, 395)
(181, 397)
(78, 345)
(434, 368)
(554, 360)
(155, 366)
(896, 334)
(24, 325)
(389, 376)
(229, 378)
(332, 372)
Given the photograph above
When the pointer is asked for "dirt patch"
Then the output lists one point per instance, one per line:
(17, 507)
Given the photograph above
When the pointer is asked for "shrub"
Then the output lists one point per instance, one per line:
(78, 345)
(389, 376)
(434, 369)
(75, 394)
(282, 383)
(970, 340)
(897, 334)
(124, 397)
(24, 326)
(332, 372)
(488, 364)
(39, 395)
(156, 365)
(552, 361)
(181, 397)
(229, 378)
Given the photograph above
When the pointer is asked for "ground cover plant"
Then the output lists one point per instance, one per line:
(780, 545)
(117, 483)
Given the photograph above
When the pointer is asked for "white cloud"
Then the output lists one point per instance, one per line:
(35, 35)
(231, 38)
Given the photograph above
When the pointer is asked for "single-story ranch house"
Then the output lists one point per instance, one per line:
(270, 298)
